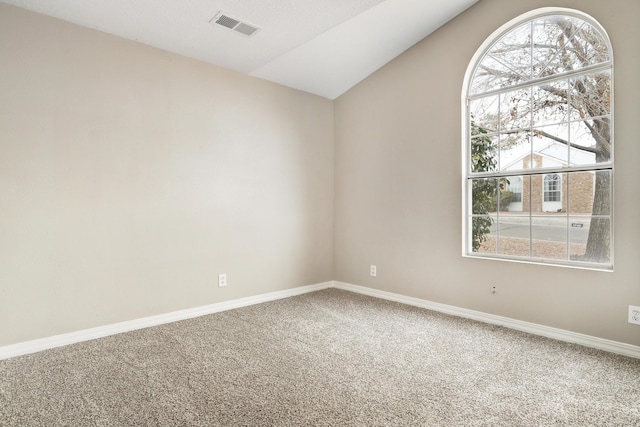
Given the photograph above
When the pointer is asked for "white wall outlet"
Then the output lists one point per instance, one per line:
(634, 315)
(222, 280)
(493, 289)
(373, 270)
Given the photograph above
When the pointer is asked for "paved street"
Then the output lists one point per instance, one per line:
(552, 229)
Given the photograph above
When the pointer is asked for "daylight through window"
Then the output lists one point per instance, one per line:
(539, 143)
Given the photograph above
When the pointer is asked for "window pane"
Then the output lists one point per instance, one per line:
(581, 187)
(515, 110)
(549, 237)
(484, 115)
(511, 197)
(602, 193)
(590, 95)
(515, 151)
(484, 192)
(590, 239)
(590, 193)
(483, 237)
(591, 141)
(550, 103)
(514, 233)
(550, 146)
(484, 153)
(596, 247)
(578, 236)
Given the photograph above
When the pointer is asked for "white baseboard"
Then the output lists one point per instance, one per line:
(145, 322)
(532, 328)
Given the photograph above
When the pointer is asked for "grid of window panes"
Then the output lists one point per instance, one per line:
(540, 151)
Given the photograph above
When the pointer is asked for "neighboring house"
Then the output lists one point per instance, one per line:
(553, 192)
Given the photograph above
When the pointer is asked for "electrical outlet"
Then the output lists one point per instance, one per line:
(493, 289)
(634, 315)
(222, 280)
(373, 271)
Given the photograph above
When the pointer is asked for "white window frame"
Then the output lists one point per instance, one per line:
(551, 205)
(466, 137)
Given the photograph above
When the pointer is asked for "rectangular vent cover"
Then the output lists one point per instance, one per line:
(234, 24)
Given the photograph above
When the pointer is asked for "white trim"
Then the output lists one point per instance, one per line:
(519, 325)
(34, 346)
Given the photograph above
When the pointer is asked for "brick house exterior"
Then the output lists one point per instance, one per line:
(572, 191)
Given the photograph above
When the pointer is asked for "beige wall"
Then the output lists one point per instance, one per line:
(131, 177)
(398, 180)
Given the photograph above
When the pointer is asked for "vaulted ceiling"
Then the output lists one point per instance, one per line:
(324, 47)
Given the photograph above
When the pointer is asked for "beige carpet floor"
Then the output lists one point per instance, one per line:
(328, 358)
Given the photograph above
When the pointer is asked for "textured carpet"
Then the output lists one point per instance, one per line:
(328, 358)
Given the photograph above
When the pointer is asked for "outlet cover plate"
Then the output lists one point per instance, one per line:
(634, 315)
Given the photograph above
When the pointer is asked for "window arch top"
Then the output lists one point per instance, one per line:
(540, 48)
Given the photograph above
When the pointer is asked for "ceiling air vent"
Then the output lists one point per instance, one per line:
(234, 24)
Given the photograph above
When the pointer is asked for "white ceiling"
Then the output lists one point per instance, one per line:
(323, 47)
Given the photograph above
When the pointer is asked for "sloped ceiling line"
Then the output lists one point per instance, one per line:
(323, 47)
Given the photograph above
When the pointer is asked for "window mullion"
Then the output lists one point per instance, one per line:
(536, 82)
(538, 171)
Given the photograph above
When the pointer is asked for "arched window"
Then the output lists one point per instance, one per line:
(538, 119)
